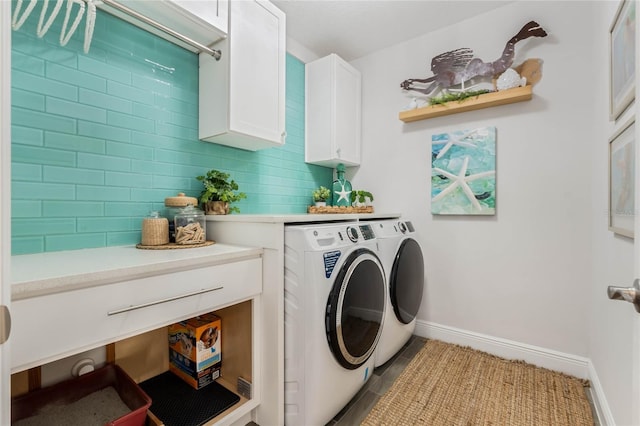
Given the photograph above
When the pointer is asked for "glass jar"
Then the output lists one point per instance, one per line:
(190, 226)
(174, 206)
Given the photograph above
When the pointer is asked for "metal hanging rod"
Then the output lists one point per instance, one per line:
(201, 47)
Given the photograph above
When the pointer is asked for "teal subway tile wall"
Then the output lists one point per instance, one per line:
(100, 139)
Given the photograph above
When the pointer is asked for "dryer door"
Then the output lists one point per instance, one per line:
(407, 281)
(355, 309)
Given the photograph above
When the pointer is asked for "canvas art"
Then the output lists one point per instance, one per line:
(463, 172)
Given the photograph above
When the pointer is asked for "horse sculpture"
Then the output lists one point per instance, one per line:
(459, 67)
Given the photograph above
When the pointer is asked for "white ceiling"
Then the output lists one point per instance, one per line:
(355, 28)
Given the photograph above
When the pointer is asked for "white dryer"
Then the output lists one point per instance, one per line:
(403, 262)
(335, 299)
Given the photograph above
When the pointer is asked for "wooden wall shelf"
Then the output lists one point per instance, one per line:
(517, 94)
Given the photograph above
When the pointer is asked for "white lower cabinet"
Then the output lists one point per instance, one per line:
(130, 317)
(242, 96)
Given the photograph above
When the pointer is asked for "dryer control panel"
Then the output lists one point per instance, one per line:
(392, 228)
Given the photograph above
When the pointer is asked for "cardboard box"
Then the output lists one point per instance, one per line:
(197, 379)
(195, 350)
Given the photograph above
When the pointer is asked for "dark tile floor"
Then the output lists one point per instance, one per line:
(380, 381)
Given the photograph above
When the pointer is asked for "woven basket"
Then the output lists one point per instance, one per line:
(155, 231)
(216, 207)
(338, 209)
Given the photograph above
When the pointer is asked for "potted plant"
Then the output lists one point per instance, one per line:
(320, 196)
(361, 198)
(219, 192)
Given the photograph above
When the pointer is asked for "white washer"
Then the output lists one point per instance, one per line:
(335, 297)
(403, 263)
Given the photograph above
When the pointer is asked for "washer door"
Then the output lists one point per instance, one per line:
(407, 281)
(355, 309)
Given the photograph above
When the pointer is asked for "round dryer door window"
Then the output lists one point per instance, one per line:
(407, 281)
(355, 309)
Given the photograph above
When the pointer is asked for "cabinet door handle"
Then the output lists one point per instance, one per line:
(5, 324)
(157, 302)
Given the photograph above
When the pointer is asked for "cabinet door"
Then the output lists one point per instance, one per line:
(257, 79)
(347, 113)
(333, 112)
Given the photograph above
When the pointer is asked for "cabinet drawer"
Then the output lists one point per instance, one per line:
(50, 327)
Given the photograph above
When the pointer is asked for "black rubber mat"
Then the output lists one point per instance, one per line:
(178, 404)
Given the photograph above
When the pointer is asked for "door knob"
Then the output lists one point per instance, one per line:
(629, 294)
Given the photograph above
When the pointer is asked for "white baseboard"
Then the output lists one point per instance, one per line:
(599, 399)
(573, 365)
(546, 358)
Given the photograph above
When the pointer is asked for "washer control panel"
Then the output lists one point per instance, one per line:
(352, 233)
(344, 235)
(367, 232)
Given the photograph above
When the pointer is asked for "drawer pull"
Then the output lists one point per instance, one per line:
(157, 302)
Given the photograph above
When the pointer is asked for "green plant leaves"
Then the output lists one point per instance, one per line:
(218, 187)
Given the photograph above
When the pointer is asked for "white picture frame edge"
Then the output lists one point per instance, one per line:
(616, 229)
(618, 107)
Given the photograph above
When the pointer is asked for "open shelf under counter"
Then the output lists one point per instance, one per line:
(124, 298)
(486, 100)
(145, 356)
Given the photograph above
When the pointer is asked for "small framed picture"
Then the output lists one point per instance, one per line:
(622, 52)
(622, 180)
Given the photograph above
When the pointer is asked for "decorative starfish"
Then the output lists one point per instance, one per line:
(343, 194)
(454, 140)
(460, 181)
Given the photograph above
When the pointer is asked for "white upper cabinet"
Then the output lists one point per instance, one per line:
(242, 96)
(203, 21)
(333, 112)
(214, 12)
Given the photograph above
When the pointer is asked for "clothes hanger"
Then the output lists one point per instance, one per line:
(64, 35)
(89, 24)
(42, 29)
(16, 22)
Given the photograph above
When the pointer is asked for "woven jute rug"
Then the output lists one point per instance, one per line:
(449, 385)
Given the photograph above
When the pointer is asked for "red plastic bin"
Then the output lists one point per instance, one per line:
(70, 391)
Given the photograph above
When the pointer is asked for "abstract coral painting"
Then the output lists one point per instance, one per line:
(463, 172)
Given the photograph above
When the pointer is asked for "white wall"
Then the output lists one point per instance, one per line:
(537, 272)
(523, 274)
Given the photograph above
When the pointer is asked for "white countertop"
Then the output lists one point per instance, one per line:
(300, 218)
(45, 273)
